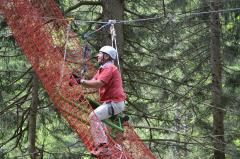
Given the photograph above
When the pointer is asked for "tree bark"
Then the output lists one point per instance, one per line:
(177, 128)
(2, 154)
(218, 114)
(33, 118)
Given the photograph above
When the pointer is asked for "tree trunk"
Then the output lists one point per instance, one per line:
(113, 10)
(177, 128)
(2, 153)
(33, 118)
(218, 114)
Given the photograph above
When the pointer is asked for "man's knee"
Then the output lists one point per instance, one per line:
(92, 116)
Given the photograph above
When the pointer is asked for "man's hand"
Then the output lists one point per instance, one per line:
(77, 77)
(72, 81)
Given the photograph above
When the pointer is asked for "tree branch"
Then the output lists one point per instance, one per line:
(81, 4)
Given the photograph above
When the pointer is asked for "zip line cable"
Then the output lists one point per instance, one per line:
(156, 18)
(143, 19)
(209, 12)
(170, 16)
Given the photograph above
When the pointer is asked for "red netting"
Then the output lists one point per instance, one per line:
(41, 30)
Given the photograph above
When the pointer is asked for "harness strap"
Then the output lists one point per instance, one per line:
(110, 109)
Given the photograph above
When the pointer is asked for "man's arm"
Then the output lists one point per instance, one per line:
(92, 83)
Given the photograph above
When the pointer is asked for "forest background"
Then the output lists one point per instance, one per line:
(180, 71)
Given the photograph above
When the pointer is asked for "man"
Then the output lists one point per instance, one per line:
(108, 81)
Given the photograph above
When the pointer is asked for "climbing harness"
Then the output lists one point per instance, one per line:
(115, 121)
(110, 109)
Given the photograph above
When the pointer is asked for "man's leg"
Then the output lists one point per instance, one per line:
(104, 111)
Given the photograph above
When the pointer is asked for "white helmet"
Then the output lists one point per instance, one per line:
(110, 51)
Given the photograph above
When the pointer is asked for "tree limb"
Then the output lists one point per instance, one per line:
(81, 4)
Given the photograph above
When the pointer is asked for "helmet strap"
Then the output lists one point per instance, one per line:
(104, 60)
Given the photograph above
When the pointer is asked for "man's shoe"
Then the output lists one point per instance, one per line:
(100, 150)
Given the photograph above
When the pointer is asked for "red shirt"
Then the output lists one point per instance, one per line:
(112, 89)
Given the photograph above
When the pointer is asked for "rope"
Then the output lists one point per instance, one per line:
(65, 52)
(88, 34)
(86, 55)
(114, 40)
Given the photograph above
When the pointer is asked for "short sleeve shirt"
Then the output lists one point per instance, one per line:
(112, 90)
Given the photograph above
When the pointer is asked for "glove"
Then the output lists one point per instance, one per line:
(73, 81)
(77, 78)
